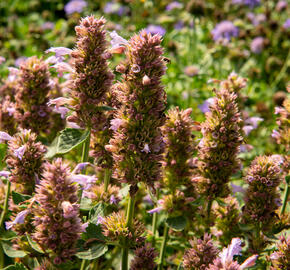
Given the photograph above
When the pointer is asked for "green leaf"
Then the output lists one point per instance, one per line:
(10, 252)
(19, 198)
(34, 245)
(176, 223)
(221, 202)
(246, 227)
(7, 235)
(96, 211)
(93, 252)
(198, 202)
(3, 149)
(105, 108)
(93, 231)
(67, 140)
(16, 266)
(86, 204)
(287, 179)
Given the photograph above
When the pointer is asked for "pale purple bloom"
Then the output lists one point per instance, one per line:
(41, 113)
(225, 30)
(4, 174)
(281, 5)
(246, 148)
(274, 256)
(53, 59)
(117, 41)
(257, 45)
(146, 148)
(205, 107)
(158, 208)
(73, 125)
(75, 6)
(179, 25)
(69, 210)
(247, 129)
(59, 51)
(256, 19)
(254, 121)
(62, 111)
(227, 254)
(174, 5)
(84, 226)
(62, 67)
(11, 111)
(115, 8)
(278, 159)
(58, 101)
(236, 189)
(278, 110)
(48, 26)
(286, 25)
(85, 181)
(13, 73)
(113, 200)
(4, 136)
(275, 134)
(19, 152)
(19, 219)
(116, 123)
(20, 60)
(147, 199)
(155, 29)
(80, 167)
(248, 3)
(2, 59)
(100, 220)
(251, 261)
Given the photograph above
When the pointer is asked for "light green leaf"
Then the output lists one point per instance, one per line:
(17, 266)
(93, 252)
(10, 252)
(176, 223)
(34, 245)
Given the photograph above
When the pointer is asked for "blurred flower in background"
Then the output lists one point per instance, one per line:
(257, 45)
(155, 29)
(75, 6)
(224, 30)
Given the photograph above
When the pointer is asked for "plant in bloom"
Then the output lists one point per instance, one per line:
(25, 159)
(136, 143)
(57, 223)
(224, 31)
(75, 6)
(7, 120)
(281, 258)
(143, 258)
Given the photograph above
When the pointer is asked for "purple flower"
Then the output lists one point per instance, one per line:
(84, 226)
(146, 148)
(59, 53)
(254, 121)
(19, 219)
(48, 26)
(147, 199)
(236, 189)
(275, 134)
(155, 29)
(113, 200)
(58, 101)
(2, 59)
(11, 110)
(115, 8)
(247, 129)
(225, 30)
(62, 67)
(85, 181)
(116, 123)
(13, 73)
(118, 43)
(4, 136)
(4, 174)
(61, 110)
(20, 60)
(205, 106)
(158, 208)
(80, 167)
(100, 220)
(257, 45)
(286, 25)
(281, 5)
(75, 6)
(20, 152)
(174, 5)
(69, 210)
(179, 25)
(233, 249)
(248, 3)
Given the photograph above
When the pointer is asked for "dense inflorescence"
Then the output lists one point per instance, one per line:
(7, 120)
(202, 253)
(179, 148)
(91, 79)
(137, 142)
(281, 259)
(262, 198)
(33, 86)
(57, 222)
(219, 147)
(144, 258)
(25, 158)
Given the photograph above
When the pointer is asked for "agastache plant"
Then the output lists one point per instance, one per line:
(25, 159)
(57, 223)
(262, 199)
(280, 259)
(7, 120)
(32, 111)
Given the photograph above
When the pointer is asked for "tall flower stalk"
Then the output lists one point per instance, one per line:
(136, 144)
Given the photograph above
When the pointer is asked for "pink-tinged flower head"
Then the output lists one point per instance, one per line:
(144, 256)
(233, 249)
(2, 59)
(116, 123)
(257, 45)
(4, 136)
(19, 152)
(225, 30)
(117, 42)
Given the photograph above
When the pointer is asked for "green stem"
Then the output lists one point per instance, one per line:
(83, 265)
(208, 214)
(5, 206)
(154, 221)
(107, 178)
(129, 219)
(163, 246)
(285, 200)
(1, 258)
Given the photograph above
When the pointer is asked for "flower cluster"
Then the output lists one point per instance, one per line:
(91, 79)
(33, 86)
(114, 227)
(137, 142)
(25, 158)
(179, 148)
(144, 258)
(7, 121)
(283, 121)
(262, 198)
(57, 223)
(202, 253)
(219, 147)
(224, 31)
(281, 259)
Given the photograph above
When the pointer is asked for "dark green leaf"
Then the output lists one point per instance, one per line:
(105, 108)
(19, 198)
(93, 231)
(10, 252)
(93, 252)
(67, 140)
(287, 179)
(221, 202)
(3, 149)
(176, 223)
(198, 202)
(7, 235)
